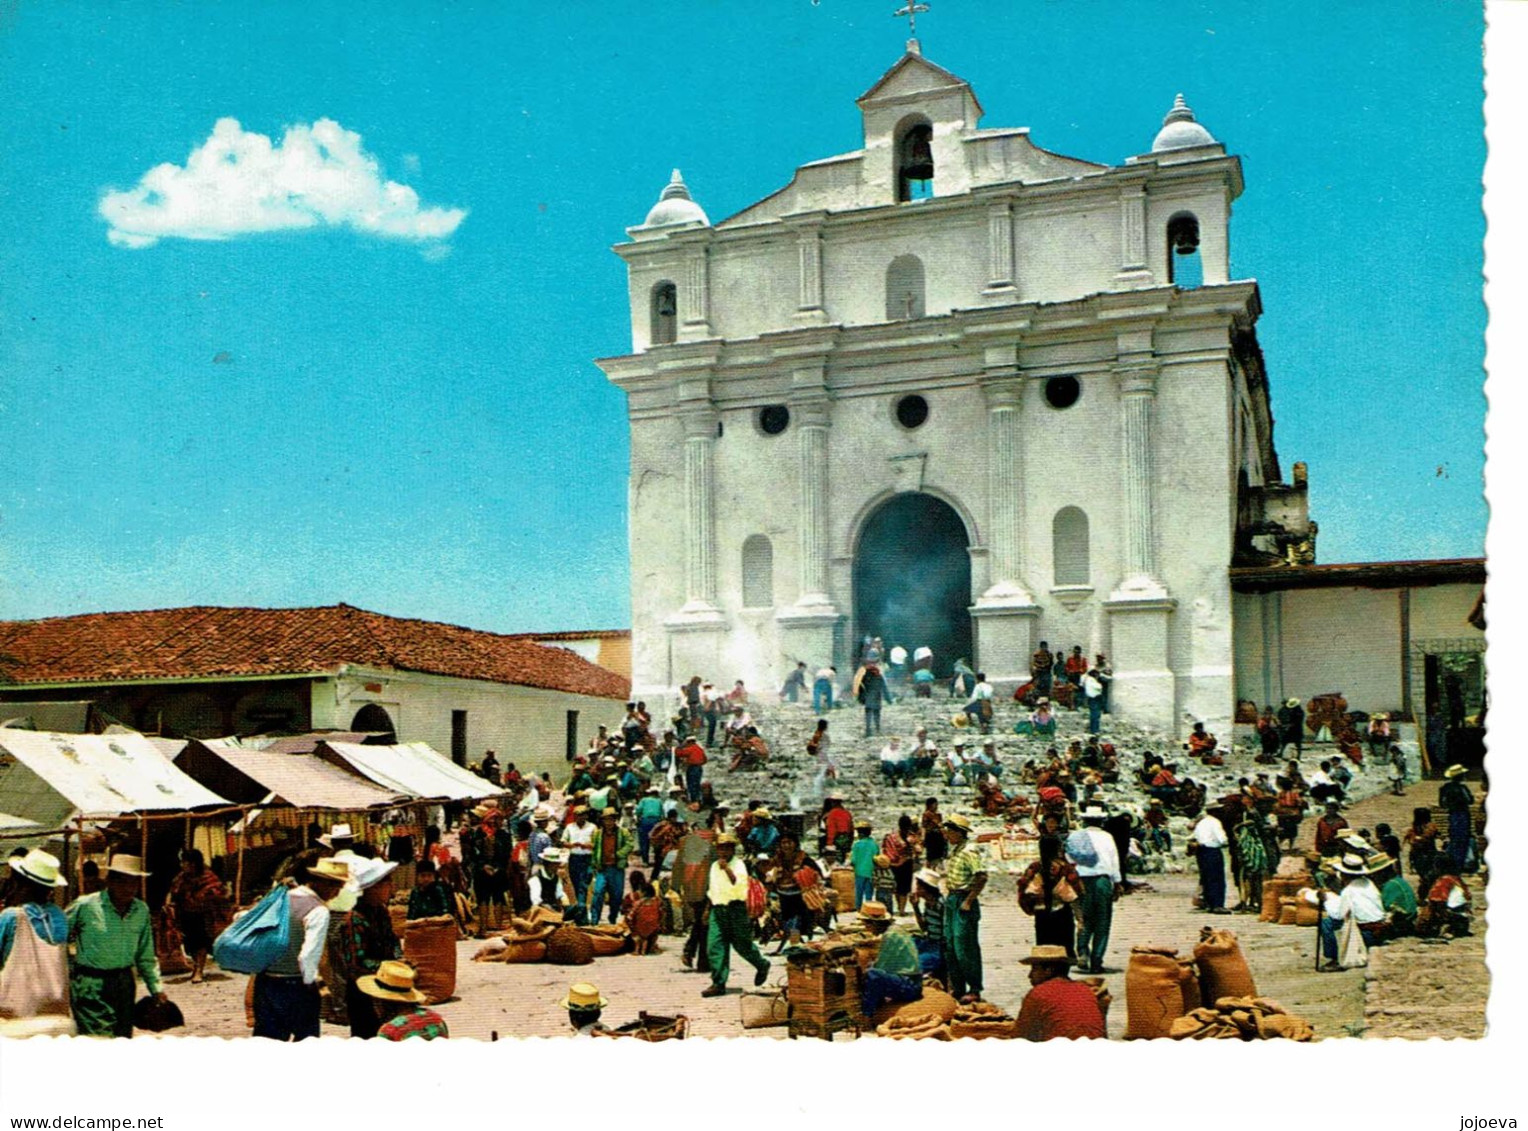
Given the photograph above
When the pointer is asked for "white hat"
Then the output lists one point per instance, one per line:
(369, 873)
(41, 868)
(1093, 812)
(125, 865)
(552, 855)
(337, 832)
(1352, 865)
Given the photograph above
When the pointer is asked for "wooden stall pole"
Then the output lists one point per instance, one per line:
(79, 867)
(238, 880)
(66, 861)
(143, 857)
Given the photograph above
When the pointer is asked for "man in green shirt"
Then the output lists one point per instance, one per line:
(113, 937)
(965, 875)
(1396, 895)
(609, 850)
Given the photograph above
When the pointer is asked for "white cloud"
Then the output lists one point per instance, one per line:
(237, 183)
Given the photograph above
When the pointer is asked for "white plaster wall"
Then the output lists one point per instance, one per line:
(755, 286)
(1438, 612)
(656, 532)
(1060, 255)
(524, 725)
(952, 246)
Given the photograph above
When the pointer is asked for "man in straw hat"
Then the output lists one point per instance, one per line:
(1056, 1006)
(287, 1002)
(395, 997)
(1096, 857)
(610, 847)
(896, 974)
(1359, 899)
(113, 938)
(1291, 726)
(34, 951)
(584, 1005)
(965, 876)
(731, 929)
(1455, 798)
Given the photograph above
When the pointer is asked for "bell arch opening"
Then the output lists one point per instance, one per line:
(912, 579)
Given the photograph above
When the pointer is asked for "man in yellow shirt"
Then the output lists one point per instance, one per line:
(731, 929)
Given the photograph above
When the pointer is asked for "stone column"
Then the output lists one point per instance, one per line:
(1000, 267)
(1004, 614)
(695, 296)
(812, 503)
(1138, 394)
(807, 628)
(699, 516)
(1133, 271)
(809, 305)
(1140, 610)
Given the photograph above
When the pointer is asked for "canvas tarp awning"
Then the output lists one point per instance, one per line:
(412, 768)
(105, 775)
(300, 780)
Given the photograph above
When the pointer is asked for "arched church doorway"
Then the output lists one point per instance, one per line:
(912, 579)
(374, 719)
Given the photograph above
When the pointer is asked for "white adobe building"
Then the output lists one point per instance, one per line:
(953, 390)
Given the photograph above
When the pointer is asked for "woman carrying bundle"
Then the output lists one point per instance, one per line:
(1047, 890)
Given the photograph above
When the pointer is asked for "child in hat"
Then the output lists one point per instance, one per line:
(862, 856)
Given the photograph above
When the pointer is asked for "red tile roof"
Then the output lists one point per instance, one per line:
(205, 642)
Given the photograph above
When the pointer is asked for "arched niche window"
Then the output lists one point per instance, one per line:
(665, 314)
(1069, 543)
(904, 288)
(758, 573)
(915, 160)
(1183, 266)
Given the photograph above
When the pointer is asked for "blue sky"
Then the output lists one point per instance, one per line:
(343, 411)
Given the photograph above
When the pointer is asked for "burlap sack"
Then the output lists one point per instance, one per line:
(429, 946)
(932, 1001)
(1223, 971)
(1153, 994)
(568, 946)
(1190, 975)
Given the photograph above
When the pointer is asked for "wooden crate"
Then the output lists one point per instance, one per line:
(824, 999)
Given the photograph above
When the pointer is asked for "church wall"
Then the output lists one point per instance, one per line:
(755, 287)
(656, 532)
(1438, 612)
(1195, 517)
(1065, 255)
(953, 251)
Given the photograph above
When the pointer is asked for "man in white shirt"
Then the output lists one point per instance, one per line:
(893, 761)
(1359, 898)
(981, 707)
(578, 840)
(730, 929)
(1210, 838)
(1096, 857)
(1092, 688)
(955, 763)
(287, 1001)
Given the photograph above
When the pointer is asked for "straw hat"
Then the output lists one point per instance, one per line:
(762, 813)
(477, 811)
(1291, 702)
(960, 743)
(552, 856)
(125, 865)
(726, 838)
(330, 869)
(1093, 813)
(881, 860)
(862, 823)
(1047, 956)
(874, 911)
(1455, 771)
(583, 995)
(41, 868)
(959, 720)
(393, 981)
(958, 821)
(927, 876)
(1352, 865)
(1380, 861)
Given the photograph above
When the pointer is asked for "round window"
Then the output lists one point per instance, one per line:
(1062, 392)
(912, 411)
(774, 419)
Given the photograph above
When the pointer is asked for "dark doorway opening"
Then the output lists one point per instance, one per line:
(1455, 704)
(570, 739)
(375, 719)
(912, 579)
(459, 737)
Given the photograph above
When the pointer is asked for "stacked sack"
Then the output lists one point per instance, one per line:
(1242, 1019)
(981, 1021)
(1160, 987)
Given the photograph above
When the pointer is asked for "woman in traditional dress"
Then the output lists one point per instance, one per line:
(198, 900)
(34, 951)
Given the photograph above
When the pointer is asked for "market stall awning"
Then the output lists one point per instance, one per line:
(412, 768)
(300, 780)
(107, 775)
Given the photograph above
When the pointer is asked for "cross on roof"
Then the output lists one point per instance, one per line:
(910, 10)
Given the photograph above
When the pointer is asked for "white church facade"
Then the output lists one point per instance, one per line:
(953, 390)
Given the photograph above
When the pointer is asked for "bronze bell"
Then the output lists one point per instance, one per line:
(919, 163)
(1183, 234)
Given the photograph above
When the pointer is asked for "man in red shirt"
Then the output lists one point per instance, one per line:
(1056, 1006)
(692, 756)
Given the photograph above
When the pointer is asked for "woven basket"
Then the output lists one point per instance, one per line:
(429, 945)
(568, 946)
